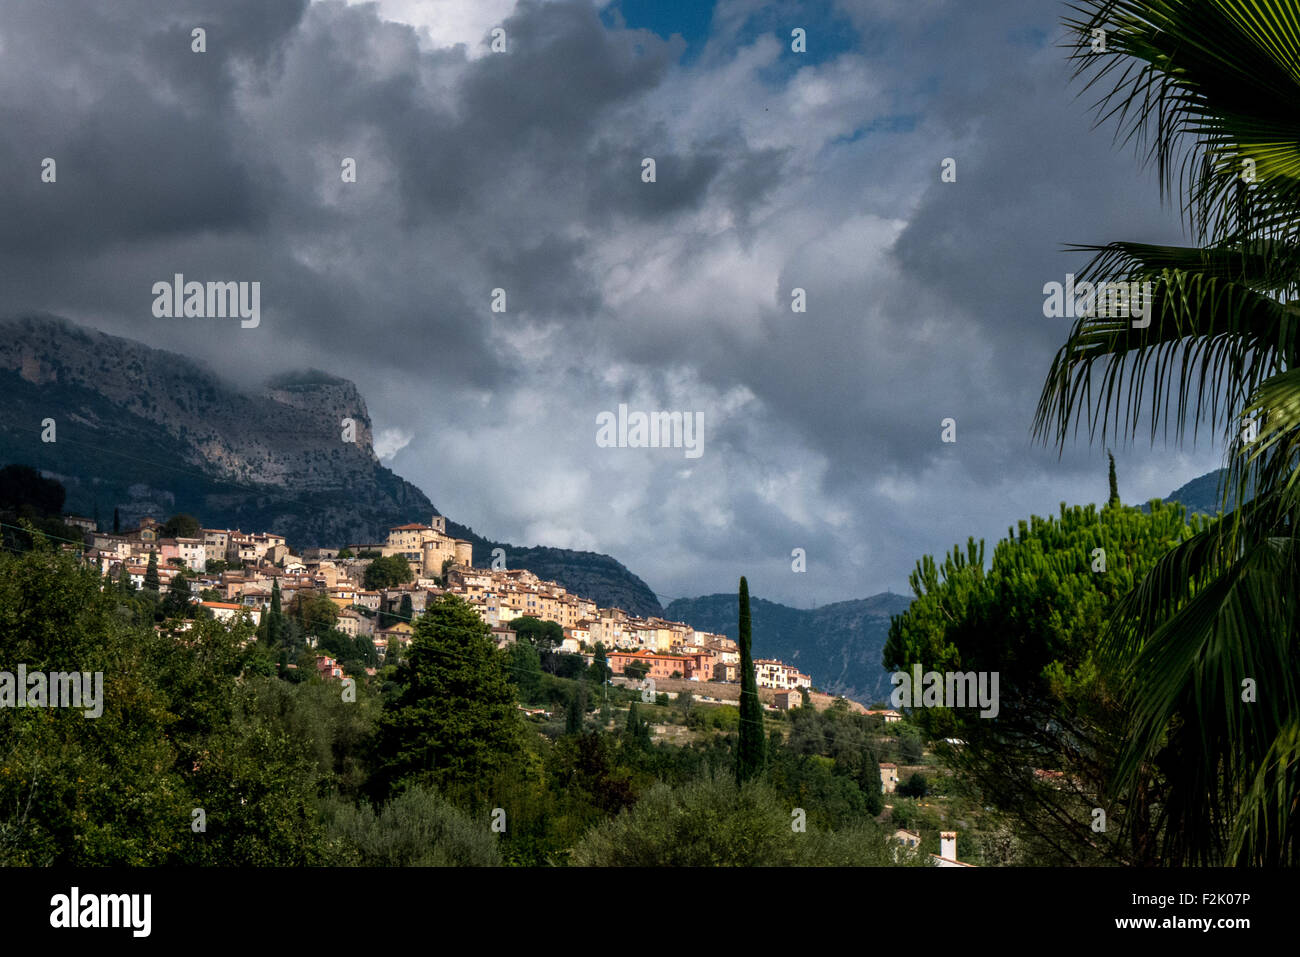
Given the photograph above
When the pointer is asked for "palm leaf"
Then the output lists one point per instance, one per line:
(1208, 88)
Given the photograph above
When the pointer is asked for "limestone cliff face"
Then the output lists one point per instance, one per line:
(153, 433)
(150, 433)
(287, 436)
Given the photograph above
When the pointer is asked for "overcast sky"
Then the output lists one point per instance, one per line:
(522, 171)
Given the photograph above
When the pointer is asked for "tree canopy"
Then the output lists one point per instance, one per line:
(544, 635)
(387, 571)
(1208, 640)
(454, 721)
(1034, 616)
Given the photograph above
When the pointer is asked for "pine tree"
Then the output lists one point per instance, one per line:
(749, 750)
(1114, 482)
(454, 725)
(151, 582)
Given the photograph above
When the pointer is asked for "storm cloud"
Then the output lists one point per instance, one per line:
(522, 171)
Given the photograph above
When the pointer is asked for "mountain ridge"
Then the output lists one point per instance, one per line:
(152, 432)
(840, 645)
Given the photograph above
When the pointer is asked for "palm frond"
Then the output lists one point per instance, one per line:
(1268, 827)
(1210, 343)
(1210, 86)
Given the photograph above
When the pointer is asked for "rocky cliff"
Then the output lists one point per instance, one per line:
(153, 433)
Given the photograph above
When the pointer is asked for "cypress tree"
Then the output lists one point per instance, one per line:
(117, 522)
(177, 602)
(275, 618)
(151, 582)
(600, 664)
(573, 715)
(632, 722)
(292, 635)
(1114, 482)
(637, 733)
(749, 750)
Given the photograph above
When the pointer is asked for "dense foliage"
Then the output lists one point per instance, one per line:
(221, 745)
(1208, 642)
(387, 571)
(1034, 617)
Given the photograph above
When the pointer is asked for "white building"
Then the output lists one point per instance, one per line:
(227, 611)
(770, 673)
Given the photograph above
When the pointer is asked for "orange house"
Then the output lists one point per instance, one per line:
(661, 666)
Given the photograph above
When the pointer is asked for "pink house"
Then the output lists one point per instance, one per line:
(327, 667)
(167, 548)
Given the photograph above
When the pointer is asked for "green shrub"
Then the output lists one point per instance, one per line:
(415, 829)
(711, 822)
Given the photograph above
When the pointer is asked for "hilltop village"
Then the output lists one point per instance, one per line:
(232, 574)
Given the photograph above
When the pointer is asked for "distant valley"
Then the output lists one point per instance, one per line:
(840, 644)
